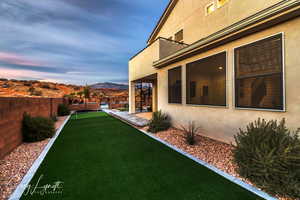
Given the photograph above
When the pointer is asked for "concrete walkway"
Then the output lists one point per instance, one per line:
(130, 118)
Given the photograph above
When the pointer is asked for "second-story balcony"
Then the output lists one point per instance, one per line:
(142, 63)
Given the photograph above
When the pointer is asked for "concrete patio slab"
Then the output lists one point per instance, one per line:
(130, 118)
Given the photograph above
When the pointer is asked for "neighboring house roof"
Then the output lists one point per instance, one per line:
(162, 20)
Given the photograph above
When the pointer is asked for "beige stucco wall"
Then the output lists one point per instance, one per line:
(142, 64)
(220, 123)
(223, 122)
(190, 16)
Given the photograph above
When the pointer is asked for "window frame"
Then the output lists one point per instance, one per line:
(234, 103)
(226, 79)
(181, 88)
(208, 5)
(220, 6)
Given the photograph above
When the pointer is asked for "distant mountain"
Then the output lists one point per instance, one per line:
(108, 85)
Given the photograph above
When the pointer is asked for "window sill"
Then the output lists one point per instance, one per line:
(261, 109)
(178, 104)
(207, 106)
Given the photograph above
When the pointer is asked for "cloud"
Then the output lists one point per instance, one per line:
(78, 40)
(17, 59)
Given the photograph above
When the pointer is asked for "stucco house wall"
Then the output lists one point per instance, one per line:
(220, 123)
(191, 17)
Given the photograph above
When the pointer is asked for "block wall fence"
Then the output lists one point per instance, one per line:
(11, 115)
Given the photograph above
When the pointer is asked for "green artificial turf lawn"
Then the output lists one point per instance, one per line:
(99, 157)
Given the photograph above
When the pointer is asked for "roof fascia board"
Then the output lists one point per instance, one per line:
(162, 20)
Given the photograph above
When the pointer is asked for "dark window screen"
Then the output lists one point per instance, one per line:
(179, 36)
(192, 89)
(174, 79)
(258, 74)
(206, 81)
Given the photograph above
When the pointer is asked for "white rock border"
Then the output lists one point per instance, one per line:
(229, 177)
(17, 194)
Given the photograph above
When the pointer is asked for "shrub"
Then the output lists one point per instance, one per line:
(37, 128)
(45, 86)
(34, 92)
(159, 122)
(63, 110)
(268, 154)
(31, 89)
(54, 118)
(28, 84)
(190, 133)
(123, 109)
(87, 92)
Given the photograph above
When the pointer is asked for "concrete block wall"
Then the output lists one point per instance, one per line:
(11, 116)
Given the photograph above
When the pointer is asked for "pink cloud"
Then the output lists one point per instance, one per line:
(12, 58)
(25, 74)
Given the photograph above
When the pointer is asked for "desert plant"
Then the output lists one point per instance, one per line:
(45, 86)
(63, 110)
(31, 89)
(190, 133)
(159, 122)
(87, 92)
(80, 94)
(268, 154)
(33, 92)
(37, 128)
(38, 93)
(28, 84)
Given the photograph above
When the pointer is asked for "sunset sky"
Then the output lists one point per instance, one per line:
(73, 41)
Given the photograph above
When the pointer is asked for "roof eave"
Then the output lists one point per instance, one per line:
(162, 20)
(269, 16)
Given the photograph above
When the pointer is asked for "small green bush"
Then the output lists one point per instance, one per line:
(268, 154)
(190, 133)
(123, 109)
(159, 122)
(63, 110)
(37, 128)
(54, 118)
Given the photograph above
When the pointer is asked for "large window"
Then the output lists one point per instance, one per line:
(259, 74)
(206, 81)
(174, 79)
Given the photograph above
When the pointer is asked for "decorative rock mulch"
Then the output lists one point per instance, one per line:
(15, 165)
(211, 151)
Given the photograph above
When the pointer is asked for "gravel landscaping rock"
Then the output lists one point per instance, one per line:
(215, 153)
(15, 165)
